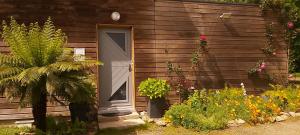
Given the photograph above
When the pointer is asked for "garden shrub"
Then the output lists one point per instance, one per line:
(287, 98)
(176, 113)
(154, 88)
(60, 126)
(212, 109)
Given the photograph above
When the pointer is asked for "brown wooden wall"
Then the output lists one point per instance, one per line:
(234, 45)
(160, 26)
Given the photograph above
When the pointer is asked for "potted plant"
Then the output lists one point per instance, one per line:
(155, 90)
(82, 103)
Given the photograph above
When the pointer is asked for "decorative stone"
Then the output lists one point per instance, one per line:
(151, 120)
(284, 113)
(285, 117)
(297, 114)
(160, 123)
(279, 119)
(240, 121)
(232, 123)
(143, 113)
(293, 114)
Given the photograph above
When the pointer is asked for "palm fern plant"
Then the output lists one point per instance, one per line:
(39, 68)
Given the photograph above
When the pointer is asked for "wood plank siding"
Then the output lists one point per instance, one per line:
(163, 31)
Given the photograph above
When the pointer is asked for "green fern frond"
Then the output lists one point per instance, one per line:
(29, 76)
(54, 39)
(15, 36)
(39, 63)
(11, 60)
(9, 71)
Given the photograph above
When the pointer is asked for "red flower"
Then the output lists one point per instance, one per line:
(202, 37)
(290, 25)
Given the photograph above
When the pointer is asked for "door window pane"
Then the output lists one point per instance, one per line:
(120, 94)
(118, 38)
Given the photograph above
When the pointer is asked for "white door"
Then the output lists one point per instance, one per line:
(115, 74)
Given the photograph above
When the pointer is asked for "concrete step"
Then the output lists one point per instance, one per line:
(121, 124)
(133, 115)
(24, 123)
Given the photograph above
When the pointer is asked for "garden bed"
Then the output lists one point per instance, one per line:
(218, 109)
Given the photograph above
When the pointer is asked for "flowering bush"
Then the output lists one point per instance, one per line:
(261, 110)
(259, 67)
(212, 109)
(203, 41)
(287, 98)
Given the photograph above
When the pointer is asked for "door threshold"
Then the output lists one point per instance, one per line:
(133, 115)
(116, 110)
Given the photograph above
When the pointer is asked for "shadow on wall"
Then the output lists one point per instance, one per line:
(186, 21)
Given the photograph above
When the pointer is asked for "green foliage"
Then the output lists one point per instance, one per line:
(184, 115)
(154, 88)
(290, 13)
(212, 109)
(180, 83)
(287, 98)
(37, 54)
(10, 130)
(60, 126)
(38, 64)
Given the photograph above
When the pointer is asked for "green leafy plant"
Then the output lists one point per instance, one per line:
(270, 49)
(287, 98)
(212, 109)
(39, 66)
(289, 12)
(181, 82)
(154, 88)
(60, 126)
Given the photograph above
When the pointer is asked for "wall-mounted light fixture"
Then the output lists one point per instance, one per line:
(115, 16)
(226, 16)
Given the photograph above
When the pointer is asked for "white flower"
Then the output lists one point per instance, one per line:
(192, 88)
(243, 88)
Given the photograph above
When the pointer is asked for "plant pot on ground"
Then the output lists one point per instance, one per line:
(157, 107)
(155, 90)
(82, 104)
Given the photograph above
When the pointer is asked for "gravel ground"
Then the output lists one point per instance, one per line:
(289, 127)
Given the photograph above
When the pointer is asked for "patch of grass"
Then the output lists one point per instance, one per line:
(297, 75)
(127, 131)
(151, 129)
(11, 130)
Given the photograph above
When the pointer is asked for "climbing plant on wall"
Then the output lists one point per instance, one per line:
(289, 11)
(182, 84)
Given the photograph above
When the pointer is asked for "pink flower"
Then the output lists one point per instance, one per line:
(274, 53)
(263, 65)
(290, 25)
(202, 37)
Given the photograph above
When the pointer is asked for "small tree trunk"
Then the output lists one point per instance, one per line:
(39, 110)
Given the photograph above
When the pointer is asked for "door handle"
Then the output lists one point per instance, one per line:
(130, 68)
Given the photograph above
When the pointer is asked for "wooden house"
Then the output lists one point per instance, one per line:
(136, 38)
